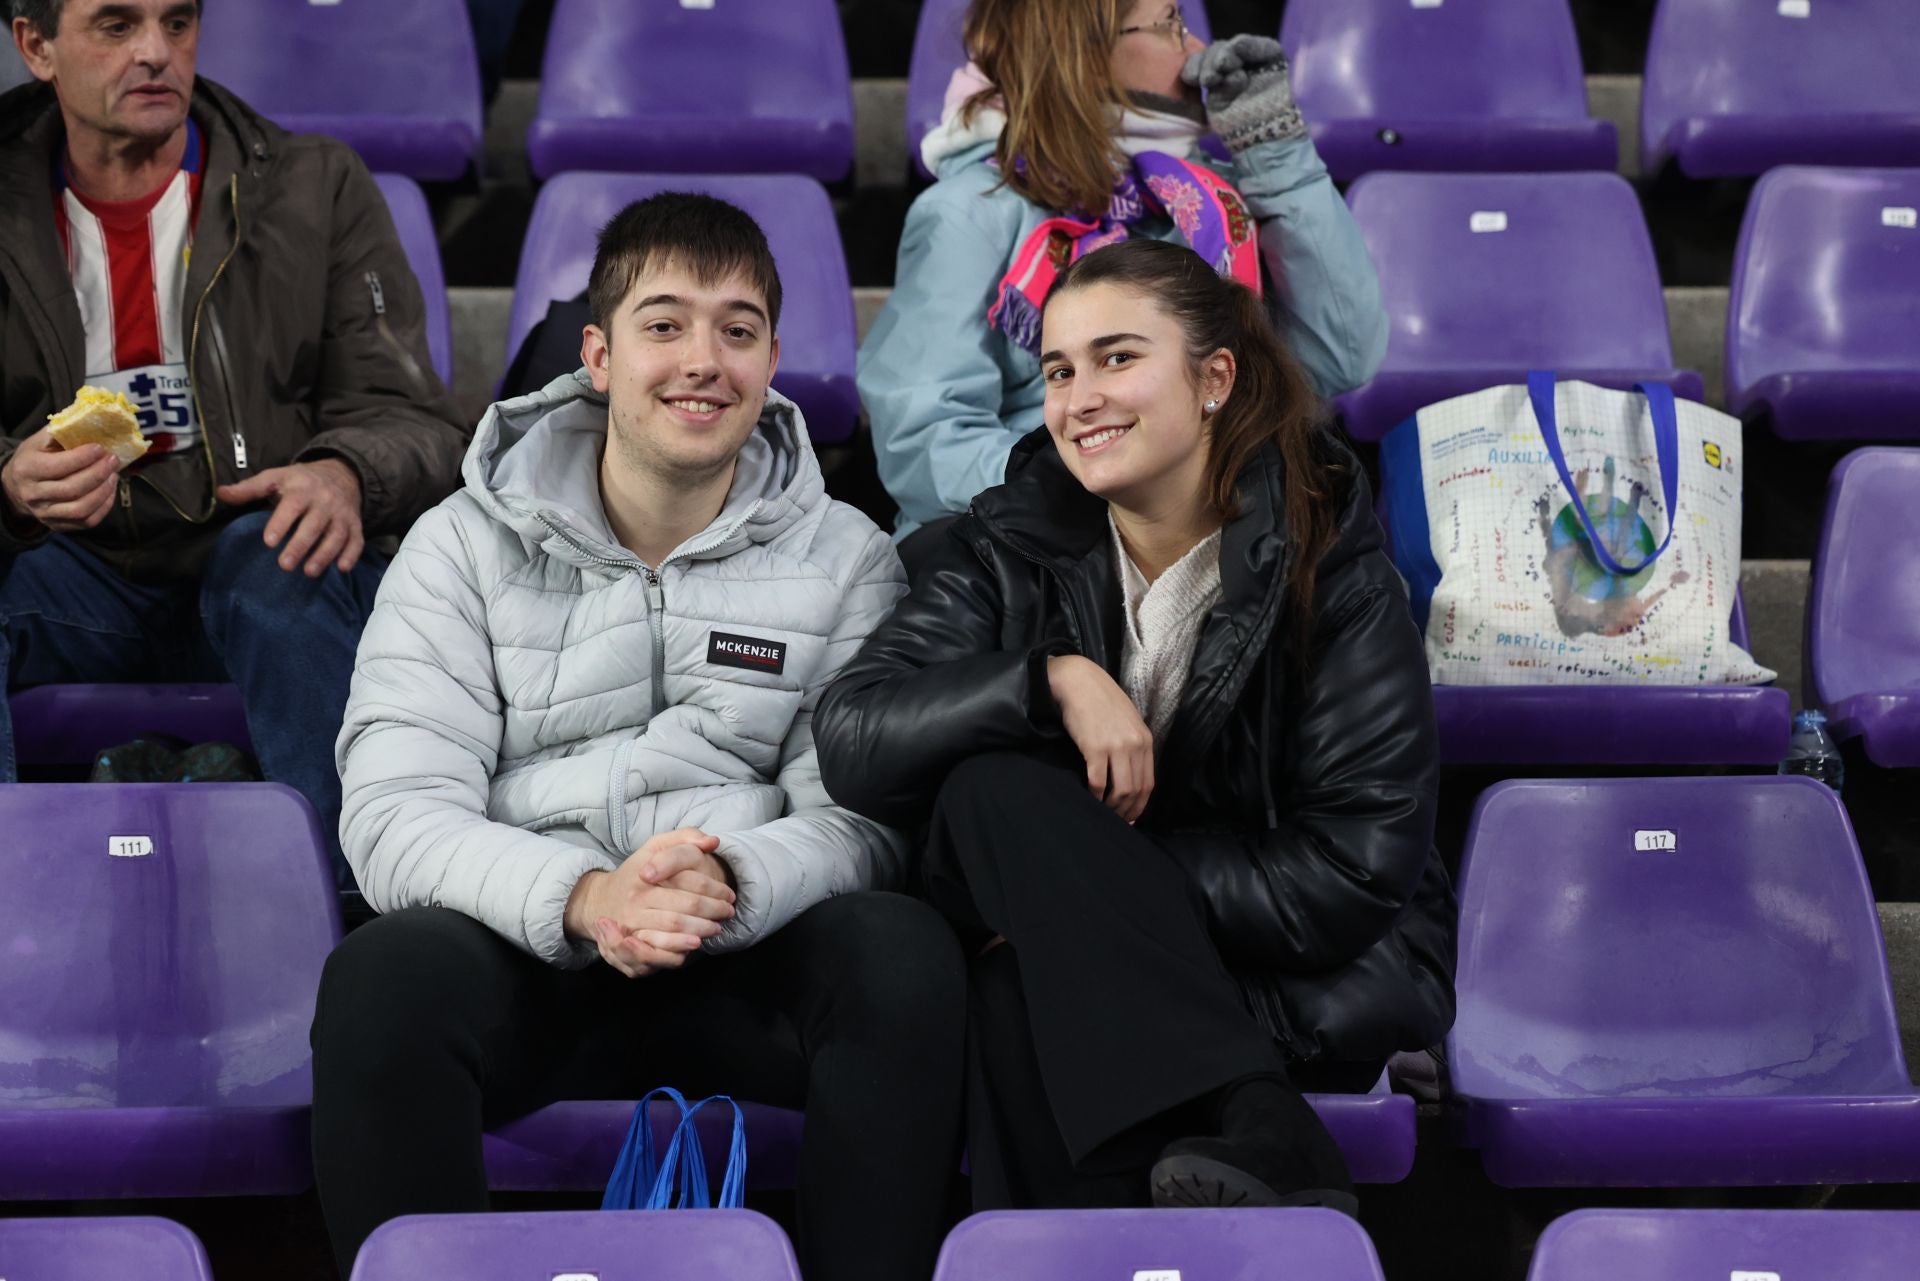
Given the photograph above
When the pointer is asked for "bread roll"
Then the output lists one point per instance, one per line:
(99, 417)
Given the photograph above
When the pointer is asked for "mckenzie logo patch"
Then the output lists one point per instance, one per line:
(746, 653)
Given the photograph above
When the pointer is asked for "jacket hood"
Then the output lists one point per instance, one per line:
(534, 465)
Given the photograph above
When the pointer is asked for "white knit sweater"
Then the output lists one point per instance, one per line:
(1162, 626)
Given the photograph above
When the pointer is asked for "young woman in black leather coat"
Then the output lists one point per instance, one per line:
(1162, 713)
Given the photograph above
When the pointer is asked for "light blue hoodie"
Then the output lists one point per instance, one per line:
(948, 396)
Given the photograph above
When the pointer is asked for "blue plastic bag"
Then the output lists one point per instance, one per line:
(678, 1179)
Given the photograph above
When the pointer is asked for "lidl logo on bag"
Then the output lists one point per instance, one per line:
(1715, 458)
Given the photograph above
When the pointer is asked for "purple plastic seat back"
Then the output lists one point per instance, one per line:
(89, 1249)
(816, 322)
(167, 941)
(71, 724)
(1672, 938)
(399, 83)
(1491, 85)
(1820, 318)
(939, 49)
(724, 1245)
(1735, 87)
(1863, 605)
(1097, 1245)
(1488, 276)
(219, 910)
(743, 86)
(1689, 1245)
(414, 223)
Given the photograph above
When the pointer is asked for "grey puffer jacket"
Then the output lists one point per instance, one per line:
(532, 703)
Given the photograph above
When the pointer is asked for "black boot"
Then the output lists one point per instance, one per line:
(1272, 1149)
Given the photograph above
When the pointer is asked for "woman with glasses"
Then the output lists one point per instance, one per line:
(1080, 123)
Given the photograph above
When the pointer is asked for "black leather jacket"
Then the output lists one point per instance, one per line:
(1300, 796)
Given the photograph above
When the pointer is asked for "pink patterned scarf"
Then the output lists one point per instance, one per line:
(1208, 213)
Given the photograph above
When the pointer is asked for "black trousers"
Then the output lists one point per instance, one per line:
(430, 1027)
(1106, 1023)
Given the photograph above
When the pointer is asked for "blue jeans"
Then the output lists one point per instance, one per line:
(286, 640)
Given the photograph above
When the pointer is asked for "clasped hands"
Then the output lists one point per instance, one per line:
(656, 909)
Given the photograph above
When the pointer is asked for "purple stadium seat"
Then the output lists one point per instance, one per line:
(399, 83)
(165, 946)
(414, 223)
(1735, 87)
(1675, 982)
(90, 1249)
(1490, 86)
(939, 50)
(1487, 276)
(1374, 1131)
(70, 724)
(816, 325)
(1820, 334)
(1693, 1245)
(1863, 606)
(578, 1245)
(742, 86)
(1615, 725)
(1157, 1245)
(571, 1146)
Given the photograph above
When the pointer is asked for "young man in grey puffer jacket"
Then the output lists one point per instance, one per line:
(580, 786)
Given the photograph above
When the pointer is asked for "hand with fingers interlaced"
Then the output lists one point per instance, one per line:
(655, 910)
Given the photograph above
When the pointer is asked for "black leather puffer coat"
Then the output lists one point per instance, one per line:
(1297, 790)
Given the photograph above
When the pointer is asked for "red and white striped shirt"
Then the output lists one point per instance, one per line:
(128, 260)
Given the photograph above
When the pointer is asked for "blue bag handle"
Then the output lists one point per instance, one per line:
(693, 1182)
(635, 1172)
(1666, 447)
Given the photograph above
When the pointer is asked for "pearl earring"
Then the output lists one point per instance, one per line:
(1212, 405)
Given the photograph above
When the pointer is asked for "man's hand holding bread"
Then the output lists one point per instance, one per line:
(65, 475)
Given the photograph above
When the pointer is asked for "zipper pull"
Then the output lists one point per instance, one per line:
(379, 294)
(239, 451)
(126, 494)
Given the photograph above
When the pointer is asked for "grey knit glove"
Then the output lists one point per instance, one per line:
(1249, 91)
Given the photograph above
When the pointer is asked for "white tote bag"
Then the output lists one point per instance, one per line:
(1569, 534)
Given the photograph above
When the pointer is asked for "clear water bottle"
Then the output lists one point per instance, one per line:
(1812, 751)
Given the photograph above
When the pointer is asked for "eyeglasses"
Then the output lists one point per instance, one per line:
(1176, 26)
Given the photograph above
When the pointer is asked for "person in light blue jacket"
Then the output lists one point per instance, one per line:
(1075, 105)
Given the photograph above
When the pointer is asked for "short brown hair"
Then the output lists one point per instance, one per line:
(713, 239)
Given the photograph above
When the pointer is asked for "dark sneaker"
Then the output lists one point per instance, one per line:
(1196, 1173)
